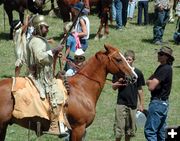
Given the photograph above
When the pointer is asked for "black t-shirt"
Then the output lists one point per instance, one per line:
(128, 95)
(164, 74)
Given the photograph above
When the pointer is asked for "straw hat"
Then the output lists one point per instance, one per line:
(167, 50)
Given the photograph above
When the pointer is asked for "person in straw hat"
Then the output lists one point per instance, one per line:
(72, 43)
(159, 84)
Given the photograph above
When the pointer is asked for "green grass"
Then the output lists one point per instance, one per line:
(137, 38)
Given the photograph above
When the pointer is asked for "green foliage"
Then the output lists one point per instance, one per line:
(137, 38)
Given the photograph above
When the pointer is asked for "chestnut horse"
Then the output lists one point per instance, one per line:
(85, 88)
(20, 6)
(103, 6)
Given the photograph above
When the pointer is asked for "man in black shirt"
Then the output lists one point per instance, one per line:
(159, 84)
(127, 100)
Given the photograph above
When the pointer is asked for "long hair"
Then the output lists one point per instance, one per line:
(170, 61)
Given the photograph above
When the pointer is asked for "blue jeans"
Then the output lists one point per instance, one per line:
(124, 11)
(142, 5)
(161, 19)
(154, 129)
(131, 8)
(113, 11)
(84, 44)
(118, 7)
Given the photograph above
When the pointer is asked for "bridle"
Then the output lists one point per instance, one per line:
(101, 85)
(112, 60)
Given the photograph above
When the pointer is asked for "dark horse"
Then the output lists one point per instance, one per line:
(20, 6)
(85, 89)
(103, 7)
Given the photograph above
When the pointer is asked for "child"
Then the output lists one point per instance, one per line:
(72, 43)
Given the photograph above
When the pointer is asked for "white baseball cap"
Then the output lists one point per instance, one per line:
(79, 52)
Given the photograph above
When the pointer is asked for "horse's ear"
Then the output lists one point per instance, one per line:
(108, 47)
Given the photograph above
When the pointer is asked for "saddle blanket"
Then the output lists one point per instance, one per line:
(27, 99)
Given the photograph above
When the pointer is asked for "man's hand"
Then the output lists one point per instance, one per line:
(141, 108)
(57, 49)
(120, 83)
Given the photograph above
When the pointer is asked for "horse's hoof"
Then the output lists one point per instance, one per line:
(104, 37)
(96, 38)
(10, 37)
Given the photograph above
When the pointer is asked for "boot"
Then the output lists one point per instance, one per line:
(54, 126)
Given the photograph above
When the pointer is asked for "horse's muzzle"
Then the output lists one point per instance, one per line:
(130, 79)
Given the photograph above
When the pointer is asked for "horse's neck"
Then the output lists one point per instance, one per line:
(94, 74)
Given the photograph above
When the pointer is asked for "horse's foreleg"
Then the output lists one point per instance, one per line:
(3, 129)
(10, 17)
(78, 133)
(99, 30)
(106, 28)
(52, 4)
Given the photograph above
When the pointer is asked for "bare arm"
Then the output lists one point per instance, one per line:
(141, 99)
(84, 29)
(26, 24)
(152, 84)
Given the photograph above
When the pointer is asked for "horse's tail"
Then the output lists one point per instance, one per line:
(1, 2)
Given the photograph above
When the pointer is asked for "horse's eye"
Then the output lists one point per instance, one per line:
(118, 60)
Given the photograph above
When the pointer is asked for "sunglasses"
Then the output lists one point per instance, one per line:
(161, 53)
(79, 58)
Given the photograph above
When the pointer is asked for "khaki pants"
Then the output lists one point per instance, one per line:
(125, 121)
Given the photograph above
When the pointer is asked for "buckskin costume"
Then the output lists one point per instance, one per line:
(40, 61)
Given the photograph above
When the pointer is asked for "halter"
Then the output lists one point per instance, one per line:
(110, 58)
(91, 79)
(101, 86)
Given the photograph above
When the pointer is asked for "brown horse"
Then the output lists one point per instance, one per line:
(20, 6)
(103, 7)
(85, 89)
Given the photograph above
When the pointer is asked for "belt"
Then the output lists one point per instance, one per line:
(159, 98)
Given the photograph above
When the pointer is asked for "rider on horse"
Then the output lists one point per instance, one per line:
(40, 63)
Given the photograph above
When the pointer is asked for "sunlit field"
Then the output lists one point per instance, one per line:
(137, 38)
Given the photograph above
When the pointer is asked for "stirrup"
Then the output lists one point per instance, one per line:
(51, 133)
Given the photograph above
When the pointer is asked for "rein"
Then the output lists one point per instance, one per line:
(109, 56)
(91, 79)
(71, 63)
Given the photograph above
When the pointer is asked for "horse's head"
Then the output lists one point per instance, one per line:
(116, 63)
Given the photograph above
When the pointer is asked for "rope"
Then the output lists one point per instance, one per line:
(4, 19)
